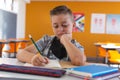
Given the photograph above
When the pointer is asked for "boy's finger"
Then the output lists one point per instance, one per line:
(42, 60)
(38, 61)
(47, 60)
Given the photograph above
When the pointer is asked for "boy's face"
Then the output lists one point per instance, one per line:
(62, 24)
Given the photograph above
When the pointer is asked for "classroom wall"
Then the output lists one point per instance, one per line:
(38, 21)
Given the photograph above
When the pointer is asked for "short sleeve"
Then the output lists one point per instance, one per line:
(41, 43)
(78, 45)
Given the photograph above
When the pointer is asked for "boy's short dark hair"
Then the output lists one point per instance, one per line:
(61, 10)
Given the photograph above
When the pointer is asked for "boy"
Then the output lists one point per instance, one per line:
(61, 46)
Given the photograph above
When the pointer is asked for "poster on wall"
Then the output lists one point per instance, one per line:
(113, 24)
(98, 23)
(79, 22)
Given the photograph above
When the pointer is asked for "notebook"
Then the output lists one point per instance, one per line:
(51, 64)
(92, 70)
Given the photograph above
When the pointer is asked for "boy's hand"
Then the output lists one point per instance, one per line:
(65, 37)
(38, 60)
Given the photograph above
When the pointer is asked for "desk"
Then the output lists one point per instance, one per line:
(106, 46)
(14, 61)
(14, 41)
(109, 47)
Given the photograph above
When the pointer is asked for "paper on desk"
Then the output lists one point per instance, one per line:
(51, 64)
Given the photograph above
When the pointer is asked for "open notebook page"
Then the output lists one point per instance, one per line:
(51, 64)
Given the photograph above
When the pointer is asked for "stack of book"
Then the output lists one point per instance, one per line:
(94, 72)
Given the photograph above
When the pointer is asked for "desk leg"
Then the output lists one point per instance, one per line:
(15, 50)
(97, 54)
(106, 58)
(0, 49)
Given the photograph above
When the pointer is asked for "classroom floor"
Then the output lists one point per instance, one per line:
(100, 60)
(95, 60)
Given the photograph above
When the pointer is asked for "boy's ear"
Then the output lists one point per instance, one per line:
(74, 25)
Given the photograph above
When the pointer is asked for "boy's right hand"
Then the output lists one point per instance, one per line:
(38, 60)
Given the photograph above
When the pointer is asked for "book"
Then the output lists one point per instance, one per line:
(51, 64)
(104, 77)
(92, 70)
(108, 76)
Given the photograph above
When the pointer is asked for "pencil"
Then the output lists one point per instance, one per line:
(35, 44)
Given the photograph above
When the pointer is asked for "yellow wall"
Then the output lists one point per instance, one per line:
(38, 21)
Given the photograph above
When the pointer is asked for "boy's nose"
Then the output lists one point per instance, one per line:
(60, 29)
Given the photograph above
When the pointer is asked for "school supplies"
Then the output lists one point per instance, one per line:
(32, 70)
(110, 76)
(92, 70)
(35, 44)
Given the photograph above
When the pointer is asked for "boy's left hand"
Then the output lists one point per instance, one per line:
(65, 37)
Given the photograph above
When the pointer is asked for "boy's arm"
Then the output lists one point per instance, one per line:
(25, 55)
(29, 55)
(77, 56)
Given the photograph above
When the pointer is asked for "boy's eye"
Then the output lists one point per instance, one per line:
(55, 26)
(65, 25)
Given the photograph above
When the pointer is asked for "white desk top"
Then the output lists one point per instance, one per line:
(110, 46)
(33, 77)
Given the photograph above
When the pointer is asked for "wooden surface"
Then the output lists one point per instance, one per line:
(69, 65)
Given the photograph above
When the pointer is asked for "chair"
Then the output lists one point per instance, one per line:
(114, 57)
(1, 46)
(101, 53)
(21, 45)
(9, 50)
